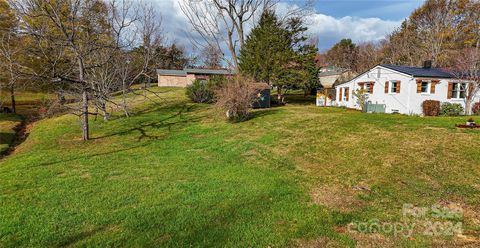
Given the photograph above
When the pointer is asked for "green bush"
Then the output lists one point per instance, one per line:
(203, 91)
(451, 109)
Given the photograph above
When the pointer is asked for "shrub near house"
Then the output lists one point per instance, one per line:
(451, 109)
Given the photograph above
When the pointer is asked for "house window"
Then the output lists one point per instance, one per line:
(425, 87)
(394, 86)
(344, 94)
(463, 90)
(459, 90)
(368, 87)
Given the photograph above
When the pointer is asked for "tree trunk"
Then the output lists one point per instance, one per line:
(81, 77)
(12, 96)
(231, 48)
(241, 32)
(61, 97)
(106, 115)
(279, 95)
(125, 104)
(85, 130)
(124, 98)
(468, 107)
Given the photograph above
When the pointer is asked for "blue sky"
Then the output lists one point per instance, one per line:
(360, 20)
(383, 9)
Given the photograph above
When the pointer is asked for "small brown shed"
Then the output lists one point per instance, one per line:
(182, 78)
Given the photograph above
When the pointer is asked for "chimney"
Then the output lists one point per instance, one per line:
(427, 64)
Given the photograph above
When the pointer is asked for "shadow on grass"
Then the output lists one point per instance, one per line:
(72, 240)
(89, 156)
(262, 112)
(163, 123)
(6, 138)
(300, 99)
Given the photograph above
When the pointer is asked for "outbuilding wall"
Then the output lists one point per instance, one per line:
(175, 81)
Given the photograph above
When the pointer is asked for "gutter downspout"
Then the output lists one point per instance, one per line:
(408, 98)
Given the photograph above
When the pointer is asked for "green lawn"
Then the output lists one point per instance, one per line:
(176, 174)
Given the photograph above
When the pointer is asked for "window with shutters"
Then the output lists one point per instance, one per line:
(368, 87)
(344, 94)
(394, 86)
(459, 90)
(425, 87)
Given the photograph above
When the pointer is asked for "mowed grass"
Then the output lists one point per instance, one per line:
(176, 174)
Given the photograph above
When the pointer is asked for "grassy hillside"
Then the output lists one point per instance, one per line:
(176, 174)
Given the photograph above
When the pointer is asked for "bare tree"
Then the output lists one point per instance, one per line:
(151, 39)
(80, 39)
(467, 69)
(131, 25)
(211, 57)
(368, 55)
(435, 23)
(467, 65)
(222, 22)
(10, 52)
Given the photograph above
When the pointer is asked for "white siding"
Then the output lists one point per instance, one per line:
(408, 101)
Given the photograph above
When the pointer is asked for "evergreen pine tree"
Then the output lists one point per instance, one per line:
(261, 54)
(275, 53)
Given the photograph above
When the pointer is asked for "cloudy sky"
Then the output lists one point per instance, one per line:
(360, 20)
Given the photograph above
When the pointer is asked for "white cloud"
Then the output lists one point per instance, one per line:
(174, 22)
(329, 29)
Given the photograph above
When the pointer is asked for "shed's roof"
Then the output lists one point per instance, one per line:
(209, 71)
(420, 71)
(186, 71)
(172, 72)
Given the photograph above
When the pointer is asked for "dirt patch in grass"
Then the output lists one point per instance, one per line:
(459, 241)
(373, 240)
(316, 243)
(342, 198)
(470, 217)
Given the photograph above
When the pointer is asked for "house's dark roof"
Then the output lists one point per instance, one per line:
(186, 71)
(420, 71)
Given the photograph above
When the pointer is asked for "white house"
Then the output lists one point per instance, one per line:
(402, 89)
